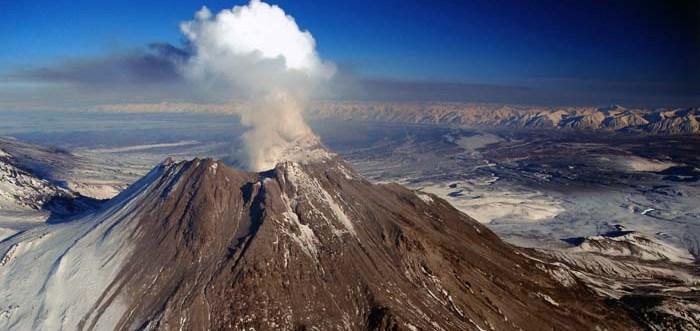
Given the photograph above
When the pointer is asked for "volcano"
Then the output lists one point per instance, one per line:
(197, 245)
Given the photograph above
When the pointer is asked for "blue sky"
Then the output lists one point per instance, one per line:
(588, 52)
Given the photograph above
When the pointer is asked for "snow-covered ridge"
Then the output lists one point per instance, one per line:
(660, 283)
(54, 277)
(88, 174)
(631, 244)
(21, 190)
(615, 118)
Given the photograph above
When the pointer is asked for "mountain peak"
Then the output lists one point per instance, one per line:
(199, 245)
(306, 148)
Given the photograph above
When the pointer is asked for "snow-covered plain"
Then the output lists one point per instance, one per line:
(487, 204)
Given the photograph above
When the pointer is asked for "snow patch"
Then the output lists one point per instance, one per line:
(349, 175)
(306, 238)
(312, 190)
(425, 197)
(640, 164)
(633, 244)
(646, 211)
(337, 210)
(477, 141)
(548, 299)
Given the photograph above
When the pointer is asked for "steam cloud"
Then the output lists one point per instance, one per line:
(258, 53)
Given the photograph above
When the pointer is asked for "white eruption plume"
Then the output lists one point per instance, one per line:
(258, 53)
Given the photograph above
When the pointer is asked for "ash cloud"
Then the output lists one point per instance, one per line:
(257, 53)
(155, 64)
(148, 74)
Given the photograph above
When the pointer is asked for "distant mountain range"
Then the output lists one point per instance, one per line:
(681, 121)
(660, 121)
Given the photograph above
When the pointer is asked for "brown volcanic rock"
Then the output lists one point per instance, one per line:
(315, 246)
